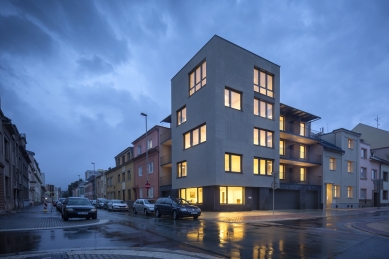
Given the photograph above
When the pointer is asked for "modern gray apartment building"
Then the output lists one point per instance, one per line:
(225, 128)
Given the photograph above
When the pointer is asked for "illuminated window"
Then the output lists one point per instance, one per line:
(263, 83)
(303, 151)
(231, 195)
(303, 174)
(195, 136)
(282, 172)
(232, 163)
(349, 166)
(181, 169)
(282, 147)
(198, 78)
(336, 191)
(363, 173)
(181, 116)
(349, 192)
(232, 99)
(350, 143)
(332, 164)
(263, 166)
(263, 109)
(302, 129)
(263, 137)
(282, 123)
(193, 195)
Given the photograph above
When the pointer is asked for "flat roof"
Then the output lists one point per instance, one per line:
(305, 116)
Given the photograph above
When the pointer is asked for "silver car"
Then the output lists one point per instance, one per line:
(114, 205)
(143, 205)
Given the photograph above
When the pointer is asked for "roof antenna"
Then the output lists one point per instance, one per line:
(377, 119)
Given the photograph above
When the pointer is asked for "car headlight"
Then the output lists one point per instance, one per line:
(183, 209)
(69, 209)
(93, 210)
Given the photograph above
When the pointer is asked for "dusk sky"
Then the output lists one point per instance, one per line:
(75, 75)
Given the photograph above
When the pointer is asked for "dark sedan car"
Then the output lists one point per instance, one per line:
(176, 207)
(78, 207)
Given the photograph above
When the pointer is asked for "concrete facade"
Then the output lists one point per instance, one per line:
(228, 130)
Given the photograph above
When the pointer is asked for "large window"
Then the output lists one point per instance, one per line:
(232, 163)
(198, 78)
(303, 174)
(349, 166)
(263, 166)
(349, 192)
(181, 169)
(193, 195)
(282, 123)
(263, 109)
(282, 172)
(363, 173)
(232, 99)
(195, 136)
(336, 191)
(263, 137)
(181, 116)
(263, 82)
(231, 195)
(282, 147)
(332, 164)
(303, 151)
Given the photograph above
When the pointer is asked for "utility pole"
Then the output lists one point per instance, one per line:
(377, 120)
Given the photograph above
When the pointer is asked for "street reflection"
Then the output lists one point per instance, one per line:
(197, 234)
(11, 242)
(230, 232)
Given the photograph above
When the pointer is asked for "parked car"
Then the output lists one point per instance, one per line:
(93, 202)
(143, 205)
(105, 206)
(78, 207)
(176, 207)
(54, 203)
(100, 203)
(59, 204)
(114, 205)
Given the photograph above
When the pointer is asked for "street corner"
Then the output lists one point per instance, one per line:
(378, 228)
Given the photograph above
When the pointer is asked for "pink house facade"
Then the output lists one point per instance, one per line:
(146, 171)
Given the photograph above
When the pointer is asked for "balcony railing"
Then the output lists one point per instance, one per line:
(300, 130)
(300, 156)
(165, 180)
(166, 159)
(166, 136)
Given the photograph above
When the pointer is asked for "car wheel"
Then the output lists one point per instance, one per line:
(157, 213)
(134, 210)
(175, 215)
(195, 217)
(146, 212)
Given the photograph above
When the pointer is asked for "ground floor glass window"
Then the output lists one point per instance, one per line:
(231, 195)
(193, 195)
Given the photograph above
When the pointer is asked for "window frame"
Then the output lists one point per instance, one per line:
(350, 167)
(258, 88)
(303, 174)
(266, 161)
(200, 136)
(350, 143)
(360, 194)
(140, 170)
(350, 192)
(199, 194)
(179, 172)
(332, 164)
(266, 132)
(180, 120)
(230, 90)
(336, 191)
(374, 175)
(230, 163)
(203, 77)
(363, 153)
(282, 147)
(282, 172)
(226, 197)
(258, 111)
(150, 166)
(364, 171)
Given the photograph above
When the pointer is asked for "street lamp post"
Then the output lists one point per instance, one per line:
(147, 155)
(94, 173)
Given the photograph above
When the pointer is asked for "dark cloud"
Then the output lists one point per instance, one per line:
(21, 37)
(94, 65)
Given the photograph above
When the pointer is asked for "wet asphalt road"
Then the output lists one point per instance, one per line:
(331, 237)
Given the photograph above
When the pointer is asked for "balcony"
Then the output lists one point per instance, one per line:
(300, 134)
(166, 137)
(165, 160)
(165, 180)
(298, 158)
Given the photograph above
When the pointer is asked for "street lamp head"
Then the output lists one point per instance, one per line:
(92, 163)
(143, 114)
